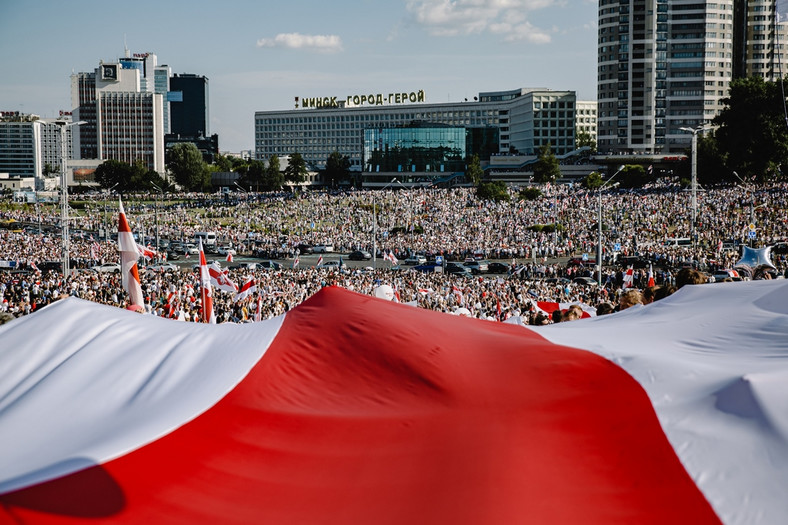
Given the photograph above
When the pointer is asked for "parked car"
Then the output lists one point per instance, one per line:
(323, 248)
(224, 249)
(426, 267)
(476, 266)
(106, 268)
(584, 281)
(173, 256)
(305, 249)
(333, 264)
(498, 267)
(360, 255)
(415, 260)
(269, 265)
(164, 267)
(191, 249)
(457, 269)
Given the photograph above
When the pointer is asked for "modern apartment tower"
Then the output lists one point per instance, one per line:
(664, 65)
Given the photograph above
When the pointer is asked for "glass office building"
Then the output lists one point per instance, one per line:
(426, 149)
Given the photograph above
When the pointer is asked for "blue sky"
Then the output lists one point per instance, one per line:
(259, 55)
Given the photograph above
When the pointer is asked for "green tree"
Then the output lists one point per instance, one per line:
(592, 181)
(632, 176)
(114, 173)
(187, 166)
(585, 139)
(546, 168)
(530, 194)
(222, 163)
(296, 171)
(273, 178)
(752, 135)
(492, 191)
(474, 173)
(337, 168)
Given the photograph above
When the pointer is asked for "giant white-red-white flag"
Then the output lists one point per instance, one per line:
(350, 409)
(129, 253)
(206, 292)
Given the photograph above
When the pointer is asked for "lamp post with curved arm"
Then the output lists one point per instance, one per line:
(599, 223)
(694, 183)
(375, 224)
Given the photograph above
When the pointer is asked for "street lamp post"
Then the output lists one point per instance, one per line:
(375, 225)
(248, 207)
(156, 214)
(64, 195)
(106, 227)
(694, 183)
(599, 224)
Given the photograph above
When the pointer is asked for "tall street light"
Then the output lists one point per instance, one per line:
(599, 223)
(248, 226)
(64, 194)
(375, 224)
(106, 194)
(156, 214)
(694, 132)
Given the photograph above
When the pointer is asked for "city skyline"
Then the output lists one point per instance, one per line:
(256, 59)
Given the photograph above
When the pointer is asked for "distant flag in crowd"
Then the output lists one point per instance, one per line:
(127, 246)
(146, 252)
(248, 288)
(229, 257)
(221, 279)
(319, 261)
(94, 250)
(629, 278)
(258, 314)
(33, 266)
(389, 256)
(651, 276)
(206, 292)
(296, 262)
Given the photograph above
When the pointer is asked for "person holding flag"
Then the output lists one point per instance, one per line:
(129, 253)
(248, 288)
(206, 293)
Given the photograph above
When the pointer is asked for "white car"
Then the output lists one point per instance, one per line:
(159, 268)
(332, 264)
(106, 268)
(415, 260)
(224, 249)
(323, 248)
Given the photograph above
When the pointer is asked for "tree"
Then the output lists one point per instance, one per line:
(752, 135)
(187, 166)
(273, 178)
(547, 168)
(337, 168)
(474, 173)
(492, 191)
(585, 139)
(530, 194)
(114, 173)
(592, 181)
(632, 176)
(296, 171)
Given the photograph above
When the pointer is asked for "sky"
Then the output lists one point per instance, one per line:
(259, 55)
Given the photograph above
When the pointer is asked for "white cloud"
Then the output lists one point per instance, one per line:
(321, 43)
(506, 18)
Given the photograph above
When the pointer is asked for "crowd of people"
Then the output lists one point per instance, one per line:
(448, 222)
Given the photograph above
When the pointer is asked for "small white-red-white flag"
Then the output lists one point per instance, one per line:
(206, 292)
(651, 276)
(319, 261)
(229, 257)
(127, 246)
(246, 290)
(629, 278)
(221, 278)
(258, 314)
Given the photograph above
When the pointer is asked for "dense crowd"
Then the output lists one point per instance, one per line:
(453, 223)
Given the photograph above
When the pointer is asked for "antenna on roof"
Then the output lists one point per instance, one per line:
(125, 47)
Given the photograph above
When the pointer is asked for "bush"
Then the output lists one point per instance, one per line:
(492, 191)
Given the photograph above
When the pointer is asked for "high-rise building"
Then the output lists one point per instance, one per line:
(666, 65)
(123, 106)
(30, 146)
(189, 106)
